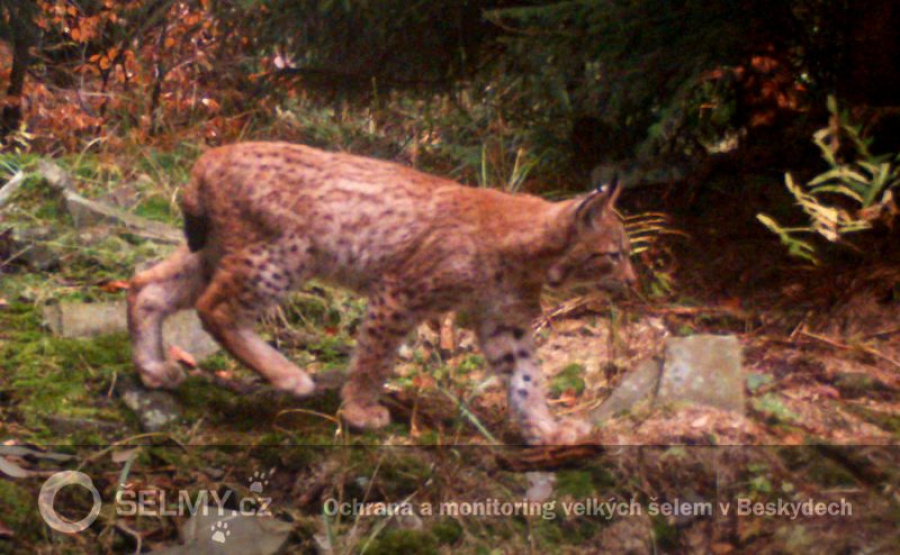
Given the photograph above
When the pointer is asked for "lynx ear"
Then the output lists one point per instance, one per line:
(597, 203)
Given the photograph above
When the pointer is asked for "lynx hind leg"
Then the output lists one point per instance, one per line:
(172, 285)
(244, 285)
(510, 352)
(386, 324)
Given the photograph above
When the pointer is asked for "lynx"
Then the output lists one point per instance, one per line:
(263, 218)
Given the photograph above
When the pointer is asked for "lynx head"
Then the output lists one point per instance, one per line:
(598, 253)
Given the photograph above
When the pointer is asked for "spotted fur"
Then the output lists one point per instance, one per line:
(263, 218)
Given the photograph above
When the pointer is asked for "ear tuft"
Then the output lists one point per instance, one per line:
(597, 202)
(613, 185)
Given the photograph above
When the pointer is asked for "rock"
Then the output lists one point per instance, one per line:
(124, 196)
(55, 176)
(11, 186)
(86, 213)
(185, 330)
(155, 409)
(705, 370)
(96, 235)
(637, 172)
(701, 369)
(29, 246)
(638, 385)
(230, 533)
(75, 320)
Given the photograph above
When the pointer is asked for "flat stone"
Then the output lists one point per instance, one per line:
(703, 370)
(638, 385)
(230, 533)
(86, 213)
(78, 320)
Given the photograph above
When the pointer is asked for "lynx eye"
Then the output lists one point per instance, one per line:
(612, 255)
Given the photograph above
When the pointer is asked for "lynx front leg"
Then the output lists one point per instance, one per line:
(382, 331)
(509, 350)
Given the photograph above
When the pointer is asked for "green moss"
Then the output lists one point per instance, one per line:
(569, 377)
(665, 534)
(157, 208)
(776, 411)
(199, 398)
(577, 483)
(391, 542)
(548, 532)
(402, 471)
(331, 349)
(469, 364)
(18, 509)
(46, 376)
(447, 531)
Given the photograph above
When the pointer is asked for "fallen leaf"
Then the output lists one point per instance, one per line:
(180, 355)
(9, 448)
(569, 398)
(733, 303)
(6, 531)
(120, 457)
(700, 422)
(826, 391)
(13, 470)
(423, 381)
(114, 286)
(721, 548)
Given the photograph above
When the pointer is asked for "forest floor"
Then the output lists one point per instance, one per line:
(821, 352)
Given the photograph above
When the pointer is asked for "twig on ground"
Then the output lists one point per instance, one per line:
(845, 347)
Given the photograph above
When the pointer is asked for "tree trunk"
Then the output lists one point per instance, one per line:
(23, 35)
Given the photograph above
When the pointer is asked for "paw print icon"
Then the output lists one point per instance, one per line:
(259, 480)
(220, 532)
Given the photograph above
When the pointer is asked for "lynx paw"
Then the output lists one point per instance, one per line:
(167, 375)
(368, 416)
(298, 384)
(567, 432)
